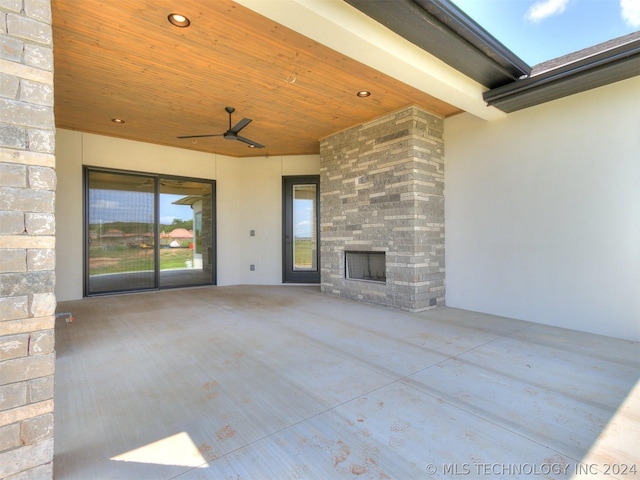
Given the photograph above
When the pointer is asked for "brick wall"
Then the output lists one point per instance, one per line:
(27, 240)
(382, 189)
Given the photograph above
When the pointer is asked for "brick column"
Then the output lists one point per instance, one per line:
(27, 239)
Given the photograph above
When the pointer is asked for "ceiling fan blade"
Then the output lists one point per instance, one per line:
(249, 142)
(232, 133)
(201, 136)
(240, 125)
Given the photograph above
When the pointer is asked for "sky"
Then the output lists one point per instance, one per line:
(107, 206)
(541, 30)
(303, 215)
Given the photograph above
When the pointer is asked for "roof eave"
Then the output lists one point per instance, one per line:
(595, 71)
(451, 36)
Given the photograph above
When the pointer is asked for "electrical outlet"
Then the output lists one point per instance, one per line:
(252, 268)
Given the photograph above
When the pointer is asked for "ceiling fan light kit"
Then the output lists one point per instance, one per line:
(232, 133)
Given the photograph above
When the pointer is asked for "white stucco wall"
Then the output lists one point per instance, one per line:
(542, 212)
(248, 197)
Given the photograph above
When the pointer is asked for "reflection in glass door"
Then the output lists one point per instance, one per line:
(301, 255)
(147, 232)
(120, 232)
(186, 242)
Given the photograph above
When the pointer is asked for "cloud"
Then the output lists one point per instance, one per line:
(630, 11)
(547, 8)
(106, 204)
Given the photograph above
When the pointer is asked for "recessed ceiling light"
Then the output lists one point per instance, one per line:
(179, 20)
(117, 120)
(363, 93)
(252, 146)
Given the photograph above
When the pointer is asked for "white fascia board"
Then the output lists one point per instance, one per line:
(345, 29)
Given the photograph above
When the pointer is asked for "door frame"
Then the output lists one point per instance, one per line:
(86, 170)
(288, 274)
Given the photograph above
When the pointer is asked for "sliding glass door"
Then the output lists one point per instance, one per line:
(146, 232)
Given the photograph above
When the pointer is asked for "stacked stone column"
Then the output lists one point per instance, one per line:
(382, 189)
(27, 239)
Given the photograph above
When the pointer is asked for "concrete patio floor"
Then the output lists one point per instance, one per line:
(254, 382)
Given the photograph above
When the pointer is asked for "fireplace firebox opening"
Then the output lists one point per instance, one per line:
(369, 266)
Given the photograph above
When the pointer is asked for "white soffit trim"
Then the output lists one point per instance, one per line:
(345, 29)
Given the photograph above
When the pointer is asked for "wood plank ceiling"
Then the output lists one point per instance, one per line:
(123, 59)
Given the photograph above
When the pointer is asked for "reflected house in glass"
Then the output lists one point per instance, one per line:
(180, 237)
(194, 236)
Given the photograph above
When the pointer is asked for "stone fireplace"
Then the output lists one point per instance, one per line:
(382, 191)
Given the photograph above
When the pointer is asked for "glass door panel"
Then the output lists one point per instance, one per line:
(305, 248)
(300, 249)
(120, 232)
(186, 239)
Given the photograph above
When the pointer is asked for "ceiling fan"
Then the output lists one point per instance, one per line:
(232, 133)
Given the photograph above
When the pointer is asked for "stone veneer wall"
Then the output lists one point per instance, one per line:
(207, 240)
(382, 189)
(27, 240)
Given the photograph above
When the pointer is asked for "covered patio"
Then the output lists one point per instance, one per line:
(278, 382)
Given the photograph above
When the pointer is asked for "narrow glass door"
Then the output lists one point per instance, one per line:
(300, 249)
